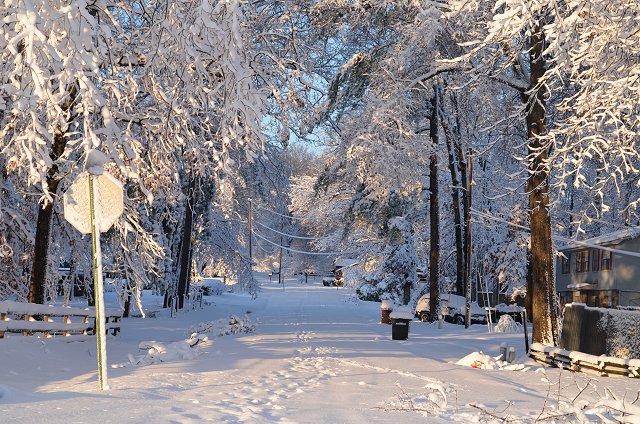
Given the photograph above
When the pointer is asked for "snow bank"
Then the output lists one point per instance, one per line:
(157, 352)
(224, 326)
(481, 361)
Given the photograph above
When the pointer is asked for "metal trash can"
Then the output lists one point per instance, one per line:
(400, 328)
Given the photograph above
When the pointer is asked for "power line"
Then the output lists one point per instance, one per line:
(589, 219)
(558, 238)
(289, 235)
(298, 218)
(300, 251)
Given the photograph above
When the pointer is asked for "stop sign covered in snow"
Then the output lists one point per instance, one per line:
(107, 198)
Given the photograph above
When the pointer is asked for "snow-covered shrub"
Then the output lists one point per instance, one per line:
(211, 287)
(368, 292)
(224, 326)
(505, 262)
(506, 324)
(431, 401)
(621, 329)
(398, 268)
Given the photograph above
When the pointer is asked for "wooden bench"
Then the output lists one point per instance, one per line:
(31, 318)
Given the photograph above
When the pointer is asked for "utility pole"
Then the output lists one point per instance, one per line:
(280, 279)
(467, 271)
(250, 234)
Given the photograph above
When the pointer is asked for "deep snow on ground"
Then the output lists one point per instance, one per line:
(315, 354)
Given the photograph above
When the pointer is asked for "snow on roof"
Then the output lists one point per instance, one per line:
(345, 262)
(616, 236)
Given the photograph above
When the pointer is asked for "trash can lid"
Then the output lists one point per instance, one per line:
(386, 304)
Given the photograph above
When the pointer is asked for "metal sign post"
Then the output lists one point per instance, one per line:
(92, 204)
(98, 289)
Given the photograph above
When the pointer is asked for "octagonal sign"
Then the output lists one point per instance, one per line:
(108, 199)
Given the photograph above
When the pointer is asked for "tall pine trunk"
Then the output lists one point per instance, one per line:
(545, 325)
(434, 215)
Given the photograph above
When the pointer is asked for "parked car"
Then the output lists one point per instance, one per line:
(423, 276)
(453, 309)
(328, 281)
(333, 281)
(339, 280)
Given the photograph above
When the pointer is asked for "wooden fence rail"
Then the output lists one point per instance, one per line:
(30, 318)
(579, 361)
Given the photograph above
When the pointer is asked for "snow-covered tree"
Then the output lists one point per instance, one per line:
(397, 276)
(545, 51)
(151, 85)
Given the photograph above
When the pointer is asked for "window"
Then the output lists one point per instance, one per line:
(595, 259)
(582, 261)
(606, 263)
(566, 263)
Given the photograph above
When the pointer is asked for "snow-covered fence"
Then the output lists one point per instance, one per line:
(579, 361)
(18, 317)
(580, 329)
(599, 340)
(601, 331)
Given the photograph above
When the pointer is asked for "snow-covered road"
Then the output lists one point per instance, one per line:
(317, 356)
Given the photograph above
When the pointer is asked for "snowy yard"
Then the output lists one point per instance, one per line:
(316, 355)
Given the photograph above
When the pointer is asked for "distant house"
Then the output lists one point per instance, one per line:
(599, 277)
(340, 263)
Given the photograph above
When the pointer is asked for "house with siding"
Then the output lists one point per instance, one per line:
(597, 277)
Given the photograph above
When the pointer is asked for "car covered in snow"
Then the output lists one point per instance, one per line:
(453, 309)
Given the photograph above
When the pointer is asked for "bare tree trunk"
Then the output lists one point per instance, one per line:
(127, 304)
(280, 279)
(467, 241)
(185, 246)
(45, 213)
(171, 268)
(462, 165)
(434, 216)
(545, 325)
(457, 222)
(41, 248)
